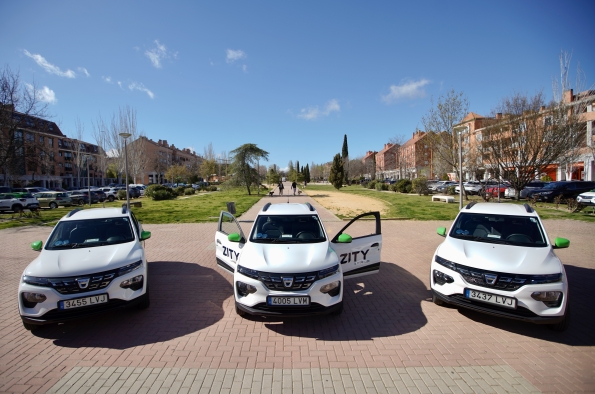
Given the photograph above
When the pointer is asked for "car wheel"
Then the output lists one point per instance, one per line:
(338, 311)
(81, 203)
(145, 302)
(53, 205)
(110, 198)
(17, 208)
(240, 312)
(30, 327)
(437, 300)
(563, 325)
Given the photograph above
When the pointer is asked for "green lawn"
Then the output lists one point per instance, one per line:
(203, 207)
(414, 207)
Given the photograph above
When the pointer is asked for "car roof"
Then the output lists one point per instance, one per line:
(500, 209)
(94, 213)
(288, 209)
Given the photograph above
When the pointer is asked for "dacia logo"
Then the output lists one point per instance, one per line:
(288, 282)
(352, 256)
(490, 279)
(83, 282)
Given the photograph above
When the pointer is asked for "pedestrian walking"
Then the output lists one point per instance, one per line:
(281, 188)
(294, 187)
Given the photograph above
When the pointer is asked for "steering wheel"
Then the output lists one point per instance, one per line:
(305, 235)
(519, 238)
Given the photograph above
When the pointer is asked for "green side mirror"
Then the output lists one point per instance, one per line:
(234, 237)
(441, 231)
(145, 235)
(36, 246)
(345, 239)
(561, 243)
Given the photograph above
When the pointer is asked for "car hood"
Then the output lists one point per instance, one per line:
(288, 258)
(83, 261)
(500, 258)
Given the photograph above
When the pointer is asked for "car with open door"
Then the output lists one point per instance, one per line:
(289, 266)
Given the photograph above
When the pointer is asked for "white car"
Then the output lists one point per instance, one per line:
(587, 198)
(93, 261)
(288, 266)
(471, 187)
(16, 202)
(497, 259)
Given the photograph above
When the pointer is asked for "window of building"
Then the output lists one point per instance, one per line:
(41, 139)
(60, 143)
(18, 135)
(60, 153)
(51, 142)
(30, 137)
(51, 156)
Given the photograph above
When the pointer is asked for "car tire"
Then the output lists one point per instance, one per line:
(30, 327)
(437, 300)
(145, 302)
(337, 312)
(17, 208)
(240, 312)
(81, 203)
(110, 198)
(53, 205)
(563, 325)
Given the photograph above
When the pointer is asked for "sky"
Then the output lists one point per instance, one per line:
(292, 77)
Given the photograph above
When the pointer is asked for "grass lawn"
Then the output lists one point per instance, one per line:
(202, 207)
(414, 207)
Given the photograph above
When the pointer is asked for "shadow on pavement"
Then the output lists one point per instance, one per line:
(581, 331)
(185, 298)
(381, 305)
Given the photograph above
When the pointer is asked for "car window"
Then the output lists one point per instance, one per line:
(90, 233)
(507, 229)
(287, 229)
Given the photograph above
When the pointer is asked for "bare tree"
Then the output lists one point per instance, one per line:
(100, 134)
(209, 163)
(17, 104)
(440, 122)
(78, 153)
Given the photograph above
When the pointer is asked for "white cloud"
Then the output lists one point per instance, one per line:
(245, 68)
(313, 113)
(233, 55)
(141, 87)
(107, 79)
(45, 94)
(84, 71)
(191, 149)
(406, 90)
(157, 54)
(50, 68)
(120, 84)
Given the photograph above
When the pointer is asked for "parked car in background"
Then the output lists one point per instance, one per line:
(79, 198)
(497, 190)
(443, 188)
(34, 190)
(471, 187)
(511, 193)
(16, 202)
(53, 200)
(564, 189)
(587, 198)
(111, 194)
(435, 185)
(5, 189)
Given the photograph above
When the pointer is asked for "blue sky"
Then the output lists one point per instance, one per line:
(290, 76)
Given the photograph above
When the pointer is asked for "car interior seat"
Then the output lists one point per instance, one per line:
(272, 229)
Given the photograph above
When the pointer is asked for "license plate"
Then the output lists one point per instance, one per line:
(507, 302)
(81, 302)
(288, 301)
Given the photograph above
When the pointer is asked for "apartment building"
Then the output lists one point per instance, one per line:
(387, 162)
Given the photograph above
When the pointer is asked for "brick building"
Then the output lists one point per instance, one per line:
(387, 162)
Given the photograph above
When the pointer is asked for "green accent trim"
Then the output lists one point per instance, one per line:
(561, 243)
(145, 235)
(441, 231)
(234, 237)
(37, 245)
(345, 239)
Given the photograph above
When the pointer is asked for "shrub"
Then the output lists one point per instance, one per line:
(121, 194)
(179, 191)
(420, 186)
(163, 195)
(372, 184)
(378, 186)
(404, 186)
(212, 188)
(364, 184)
(546, 178)
(151, 189)
(451, 190)
(393, 187)
(188, 191)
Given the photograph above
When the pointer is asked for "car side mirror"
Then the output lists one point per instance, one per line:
(145, 235)
(441, 231)
(234, 237)
(344, 239)
(37, 245)
(561, 243)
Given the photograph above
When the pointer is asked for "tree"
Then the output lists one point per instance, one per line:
(18, 103)
(345, 158)
(209, 162)
(440, 122)
(337, 174)
(526, 136)
(273, 176)
(307, 173)
(245, 158)
(177, 173)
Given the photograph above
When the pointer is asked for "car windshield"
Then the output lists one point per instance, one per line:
(287, 229)
(71, 234)
(505, 229)
(553, 186)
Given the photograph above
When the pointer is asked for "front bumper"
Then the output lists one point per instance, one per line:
(528, 309)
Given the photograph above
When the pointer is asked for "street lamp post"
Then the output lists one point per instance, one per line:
(88, 183)
(126, 136)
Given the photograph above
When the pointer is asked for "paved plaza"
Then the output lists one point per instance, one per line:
(390, 337)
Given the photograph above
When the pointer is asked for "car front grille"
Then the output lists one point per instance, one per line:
(83, 283)
(274, 281)
(492, 279)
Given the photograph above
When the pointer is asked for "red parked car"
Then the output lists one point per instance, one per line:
(494, 190)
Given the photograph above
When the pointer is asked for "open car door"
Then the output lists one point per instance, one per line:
(229, 242)
(358, 245)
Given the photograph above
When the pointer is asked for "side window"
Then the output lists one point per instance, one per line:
(136, 225)
(364, 225)
(228, 225)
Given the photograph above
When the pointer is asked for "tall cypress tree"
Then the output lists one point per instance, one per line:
(345, 159)
(336, 174)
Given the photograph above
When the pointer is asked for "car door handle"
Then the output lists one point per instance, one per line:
(375, 244)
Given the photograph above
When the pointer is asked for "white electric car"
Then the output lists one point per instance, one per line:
(497, 259)
(288, 266)
(93, 261)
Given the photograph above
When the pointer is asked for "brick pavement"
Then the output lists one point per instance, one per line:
(390, 337)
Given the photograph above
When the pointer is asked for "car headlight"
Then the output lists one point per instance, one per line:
(328, 271)
(130, 267)
(447, 263)
(540, 279)
(36, 281)
(248, 272)
(333, 289)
